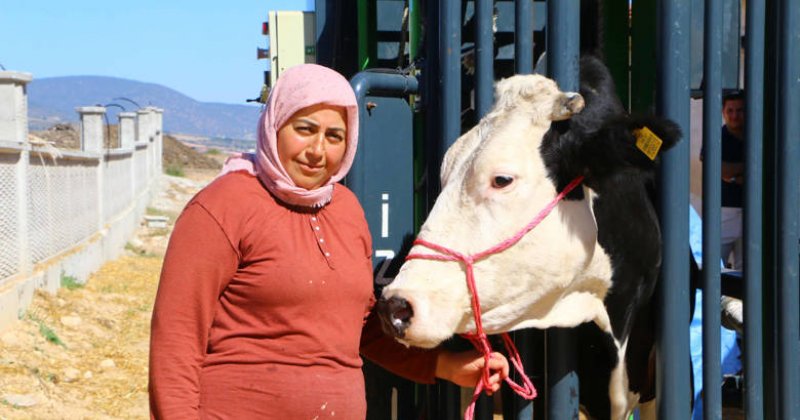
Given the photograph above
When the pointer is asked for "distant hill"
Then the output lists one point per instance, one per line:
(54, 99)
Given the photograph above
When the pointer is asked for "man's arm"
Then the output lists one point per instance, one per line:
(733, 172)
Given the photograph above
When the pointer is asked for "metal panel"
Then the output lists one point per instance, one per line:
(387, 194)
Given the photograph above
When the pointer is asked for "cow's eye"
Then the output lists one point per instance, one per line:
(502, 181)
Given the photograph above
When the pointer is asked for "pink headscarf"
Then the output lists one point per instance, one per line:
(297, 88)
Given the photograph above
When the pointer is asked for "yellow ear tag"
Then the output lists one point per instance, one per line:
(648, 142)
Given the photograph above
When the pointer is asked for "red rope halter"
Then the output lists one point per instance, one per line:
(479, 338)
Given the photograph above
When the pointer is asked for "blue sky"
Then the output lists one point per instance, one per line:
(205, 49)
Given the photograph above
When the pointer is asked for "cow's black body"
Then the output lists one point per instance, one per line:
(600, 144)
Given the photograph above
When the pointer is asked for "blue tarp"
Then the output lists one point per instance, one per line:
(730, 351)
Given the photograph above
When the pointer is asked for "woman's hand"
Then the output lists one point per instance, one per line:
(465, 368)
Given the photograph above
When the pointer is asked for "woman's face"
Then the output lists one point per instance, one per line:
(311, 144)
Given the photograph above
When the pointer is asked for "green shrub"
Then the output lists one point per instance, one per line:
(174, 170)
(70, 282)
(46, 331)
(50, 335)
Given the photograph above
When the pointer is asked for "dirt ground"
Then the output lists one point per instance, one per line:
(176, 155)
(82, 353)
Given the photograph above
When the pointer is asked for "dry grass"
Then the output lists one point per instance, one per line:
(56, 361)
(82, 353)
(74, 380)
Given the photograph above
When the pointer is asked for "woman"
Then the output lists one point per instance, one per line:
(267, 280)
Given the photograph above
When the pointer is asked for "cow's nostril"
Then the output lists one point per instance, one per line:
(395, 314)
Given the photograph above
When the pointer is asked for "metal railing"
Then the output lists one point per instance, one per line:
(658, 37)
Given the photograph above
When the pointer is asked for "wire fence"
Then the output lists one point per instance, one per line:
(52, 199)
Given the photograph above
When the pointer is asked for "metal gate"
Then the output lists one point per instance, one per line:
(444, 58)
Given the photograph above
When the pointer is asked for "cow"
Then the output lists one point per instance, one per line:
(593, 263)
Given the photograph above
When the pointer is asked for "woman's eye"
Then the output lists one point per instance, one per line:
(303, 129)
(336, 137)
(502, 181)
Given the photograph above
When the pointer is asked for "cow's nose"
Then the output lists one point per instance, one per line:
(395, 314)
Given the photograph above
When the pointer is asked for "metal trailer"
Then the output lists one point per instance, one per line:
(443, 58)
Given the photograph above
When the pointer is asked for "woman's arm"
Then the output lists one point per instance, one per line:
(423, 366)
(198, 264)
(465, 368)
(416, 364)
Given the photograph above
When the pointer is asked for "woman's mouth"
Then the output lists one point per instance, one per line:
(311, 169)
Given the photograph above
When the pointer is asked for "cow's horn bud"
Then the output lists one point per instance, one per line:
(572, 103)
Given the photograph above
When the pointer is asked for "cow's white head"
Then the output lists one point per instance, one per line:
(494, 181)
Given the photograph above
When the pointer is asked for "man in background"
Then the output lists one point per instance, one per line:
(732, 178)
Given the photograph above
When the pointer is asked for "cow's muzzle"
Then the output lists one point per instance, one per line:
(395, 314)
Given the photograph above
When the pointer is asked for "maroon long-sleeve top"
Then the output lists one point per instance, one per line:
(261, 309)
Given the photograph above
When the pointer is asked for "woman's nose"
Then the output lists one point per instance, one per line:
(317, 146)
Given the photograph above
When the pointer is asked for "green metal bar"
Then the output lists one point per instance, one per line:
(643, 56)
(616, 45)
(414, 29)
(367, 44)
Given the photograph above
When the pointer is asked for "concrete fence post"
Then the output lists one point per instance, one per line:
(143, 137)
(154, 131)
(159, 131)
(14, 106)
(92, 128)
(14, 131)
(92, 140)
(150, 130)
(127, 141)
(141, 125)
(127, 130)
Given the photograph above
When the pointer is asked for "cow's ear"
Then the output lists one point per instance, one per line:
(631, 140)
(567, 105)
(654, 133)
(666, 130)
(458, 152)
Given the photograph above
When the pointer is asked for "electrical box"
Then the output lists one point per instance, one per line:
(292, 41)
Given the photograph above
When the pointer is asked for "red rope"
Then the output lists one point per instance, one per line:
(479, 339)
